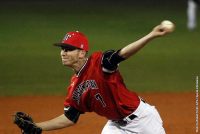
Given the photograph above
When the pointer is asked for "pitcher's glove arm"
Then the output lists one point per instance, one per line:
(26, 124)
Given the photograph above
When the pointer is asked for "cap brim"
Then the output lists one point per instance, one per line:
(66, 46)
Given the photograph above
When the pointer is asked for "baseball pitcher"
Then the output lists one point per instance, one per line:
(97, 86)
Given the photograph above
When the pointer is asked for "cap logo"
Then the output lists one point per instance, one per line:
(81, 45)
(67, 36)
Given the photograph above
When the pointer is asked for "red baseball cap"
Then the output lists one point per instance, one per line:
(74, 40)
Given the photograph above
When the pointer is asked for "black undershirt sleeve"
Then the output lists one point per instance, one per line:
(72, 113)
(111, 60)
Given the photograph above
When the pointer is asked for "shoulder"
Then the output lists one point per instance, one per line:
(96, 54)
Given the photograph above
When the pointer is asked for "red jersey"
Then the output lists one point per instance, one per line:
(93, 90)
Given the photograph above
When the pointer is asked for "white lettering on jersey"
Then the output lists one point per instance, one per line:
(81, 88)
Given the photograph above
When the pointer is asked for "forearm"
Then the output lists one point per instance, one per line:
(134, 47)
(56, 123)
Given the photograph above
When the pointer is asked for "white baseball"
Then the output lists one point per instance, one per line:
(168, 25)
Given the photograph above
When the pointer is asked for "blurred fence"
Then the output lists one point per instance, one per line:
(172, 3)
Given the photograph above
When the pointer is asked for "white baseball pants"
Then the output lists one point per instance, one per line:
(148, 121)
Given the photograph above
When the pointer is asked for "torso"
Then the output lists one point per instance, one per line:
(92, 90)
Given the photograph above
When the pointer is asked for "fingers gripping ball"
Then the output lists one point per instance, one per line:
(26, 124)
(168, 26)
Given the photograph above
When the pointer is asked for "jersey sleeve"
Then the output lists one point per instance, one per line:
(110, 61)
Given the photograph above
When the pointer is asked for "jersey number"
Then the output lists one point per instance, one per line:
(99, 98)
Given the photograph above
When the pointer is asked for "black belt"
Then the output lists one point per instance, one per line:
(143, 100)
(132, 116)
(124, 121)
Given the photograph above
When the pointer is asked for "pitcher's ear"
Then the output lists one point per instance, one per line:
(82, 54)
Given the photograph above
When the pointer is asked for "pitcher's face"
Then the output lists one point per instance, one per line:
(69, 58)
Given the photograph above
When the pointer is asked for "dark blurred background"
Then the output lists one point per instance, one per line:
(30, 65)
